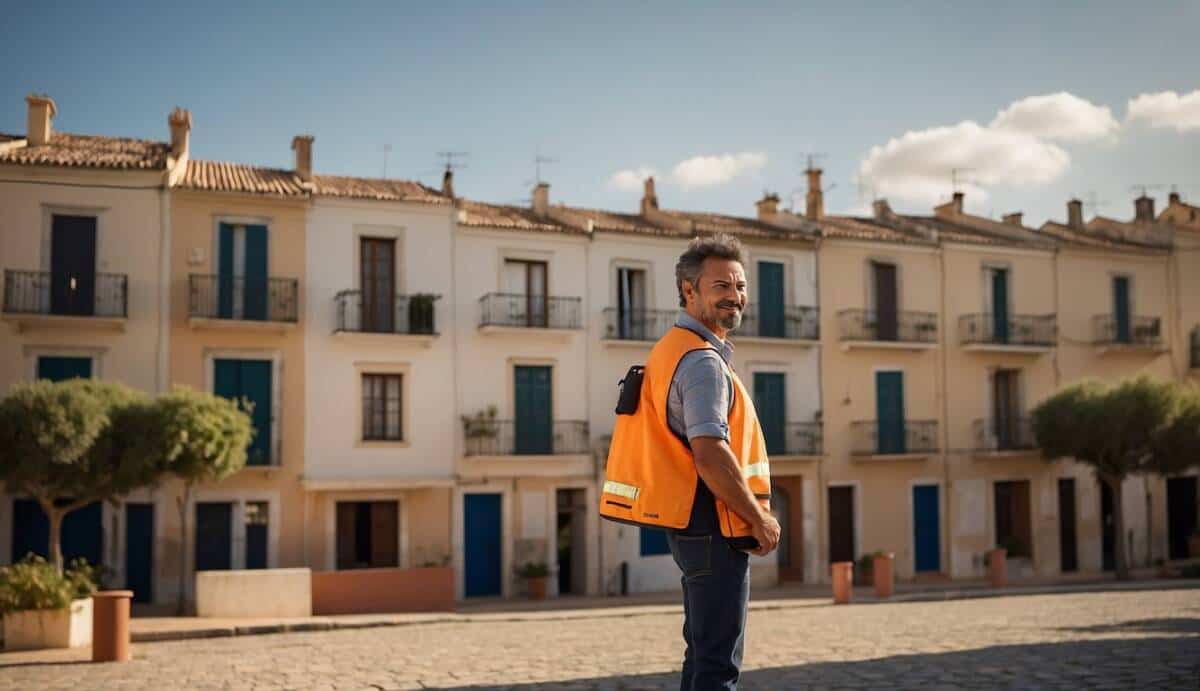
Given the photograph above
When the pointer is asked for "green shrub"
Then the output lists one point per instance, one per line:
(33, 583)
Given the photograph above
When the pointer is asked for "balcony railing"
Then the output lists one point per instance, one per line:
(868, 438)
(800, 439)
(518, 438)
(387, 314)
(794, 323)
(1018, 330)
(1004, 434)
(637, 324)
(1195, 349)
(43, 292)
(529, 311)
(872, 325)
(243, 298)
(1137, 331)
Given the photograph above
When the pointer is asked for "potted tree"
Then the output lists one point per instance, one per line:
(43, 608)
(536, 573)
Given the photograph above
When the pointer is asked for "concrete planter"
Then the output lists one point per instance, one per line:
(383, 591)
(49, 628)
(254, 593)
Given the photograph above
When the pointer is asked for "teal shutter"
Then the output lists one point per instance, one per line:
(255, 276)
(1000, 305)
(225, 271)
(889, 411)
(534, 422)
(251, 380)
(64, 368)
(1121, 309)
(770, 402)
(770, 300)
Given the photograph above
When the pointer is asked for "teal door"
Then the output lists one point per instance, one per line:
(889, 412)
(926, 530)
(1000, 305)
(63, 368)
(242, 272)
(482, 544)
(770, 300)
(534, 420)
(1121, 310)
(249, 379)
(770, 402)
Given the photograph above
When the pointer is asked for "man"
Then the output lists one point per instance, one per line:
(691, 458)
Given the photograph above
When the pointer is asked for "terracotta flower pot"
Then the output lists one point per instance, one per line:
(537, 588)
(998, 567)
(881, 571)
(843, 580)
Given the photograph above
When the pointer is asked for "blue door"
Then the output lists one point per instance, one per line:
(214, 536)
(770, 402)
(1121, 309)
(242, 272)
(63, 368)
(770, 300)
(1000, 305)
(82, 532)
(249, 379)
(889, 412)
(481, 558)
(534, 421)
(926, 530)
(139, 551)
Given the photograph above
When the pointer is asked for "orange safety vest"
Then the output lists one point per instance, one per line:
(651, 476)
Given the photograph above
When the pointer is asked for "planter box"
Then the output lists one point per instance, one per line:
(273, 593)
(49, 628)
(383, 591)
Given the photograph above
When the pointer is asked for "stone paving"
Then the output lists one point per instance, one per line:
(1096, 640)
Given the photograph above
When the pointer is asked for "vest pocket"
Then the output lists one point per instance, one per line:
(692, 554)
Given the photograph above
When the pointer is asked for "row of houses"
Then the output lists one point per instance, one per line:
(434, 377)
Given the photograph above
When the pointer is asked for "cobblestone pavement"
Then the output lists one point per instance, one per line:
(1107, 640)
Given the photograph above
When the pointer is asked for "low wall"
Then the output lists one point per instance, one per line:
(271, 593)
(383, 591)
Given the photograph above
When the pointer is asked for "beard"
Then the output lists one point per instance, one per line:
(727, 321)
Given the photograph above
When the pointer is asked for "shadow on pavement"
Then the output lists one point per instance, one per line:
(1177, 625)
(1130, 663)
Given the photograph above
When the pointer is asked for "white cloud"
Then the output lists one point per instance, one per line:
(1167, 109)
(1057, 116)
(630, 178)
(706, 171)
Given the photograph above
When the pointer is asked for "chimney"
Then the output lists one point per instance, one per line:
(814, 201)
(302, 145)
(448, 183)
(41, 112)
(1075, 214)
(180, 122)
(1144, 209)
(882, 209)
(649, 198)
(541, 199)
(1013, 219)
(958, 202)
(768, 207)
(1173, 198)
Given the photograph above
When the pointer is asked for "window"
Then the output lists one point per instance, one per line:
(242, 272)
(368, 534)
(377, 264)
(652, 542)
(886, 317)
(256, 534)
(381, 412)
(631, 304)
(525, 286)
(1006, 409)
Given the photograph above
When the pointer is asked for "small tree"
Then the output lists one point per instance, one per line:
(205, 440)
(68, 444)
(1137, 426)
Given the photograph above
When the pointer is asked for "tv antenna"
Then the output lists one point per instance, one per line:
(811, 158)
(538, 161)
(957, 179)
(453, 160)
(387, 149)
(1092, 204)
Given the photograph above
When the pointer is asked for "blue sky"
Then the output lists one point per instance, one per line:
(610, 87)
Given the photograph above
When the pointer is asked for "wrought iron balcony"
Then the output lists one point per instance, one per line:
(912, 437)
(1004, 434)
(793, 323)
(1144, 332)
(637, 324)
(800, 439)
(486, 437)
(1016, 330)
(45, 293)
(388, 314)
(530, 311)
(243, 298)
(872, 325)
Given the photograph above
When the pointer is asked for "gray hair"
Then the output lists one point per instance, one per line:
(691, 262)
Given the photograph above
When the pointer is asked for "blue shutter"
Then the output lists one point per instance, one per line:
(225, 271)
(1121, 309)
(1000, 305)
(770, 402)
(255, 277)
(889, 409)
(770, 300)
(249, 379)
(534, 421)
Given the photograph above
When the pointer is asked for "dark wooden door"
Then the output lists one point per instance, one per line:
(1004, 408)
(73, 265)
(841, 524)
(787, 495)
(139, 551)
(886, 302)
(927, 532)
(1012, 520)
(1182, 519)
(214, 536)
(1067, 541)
(377, 263)
(1108, 529)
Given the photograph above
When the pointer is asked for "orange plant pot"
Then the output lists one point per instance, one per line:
(110, 626)
(843, 581)
(998, 567)
(537, 588)
(881, 566)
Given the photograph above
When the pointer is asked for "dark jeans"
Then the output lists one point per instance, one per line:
(716, 589)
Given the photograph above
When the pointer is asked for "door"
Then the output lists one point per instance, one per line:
(1067, 542)
(82, 534)
(252, 380)
(1004, 408)
(257, 534)
(571, 544)
(631, 305)
(1012, 520)
(786, 496)
(1182, 517)
(73, 265)
(1000, 305)
(139, 551)
(926, 529)
(889, 413)
(534, 419)
(377, 262)
(242, 290)
(525, 288)
(770, 402)
(64, 368)
(482, 554)
(886, 302)
(1121, 312)
(770, 300)
(841, 524)
(214, 526)
(1108, 529)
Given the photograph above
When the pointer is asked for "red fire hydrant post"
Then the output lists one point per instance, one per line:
(110, 626)
(843, 581)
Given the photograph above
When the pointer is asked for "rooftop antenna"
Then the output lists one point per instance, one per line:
(1143, 188)
(538, 161)
(811, 158)
(1093, 204)
(956, 179)
(453, 160)
(387, 149)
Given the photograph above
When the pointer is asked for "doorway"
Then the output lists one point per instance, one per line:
(927, 540)
(787, 505)
(73, 265)
(1108, 529)
(481, 544)
(139, 551)
(1012, 518)
(841, 524)
(1067, 540)
(571, 541)
(1182, 517)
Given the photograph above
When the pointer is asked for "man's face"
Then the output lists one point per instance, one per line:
(720, 293)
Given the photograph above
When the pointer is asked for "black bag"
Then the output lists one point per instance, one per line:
(631, 391)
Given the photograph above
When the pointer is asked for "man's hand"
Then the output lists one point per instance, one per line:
(766, 531)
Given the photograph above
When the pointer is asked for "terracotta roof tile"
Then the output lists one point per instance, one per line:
(482, 215)
(219, 176)
(1092, 237)
(976, 230)
(614, 222)
(377, 189)
(900, 231)
(740, 226)
(89, 151)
